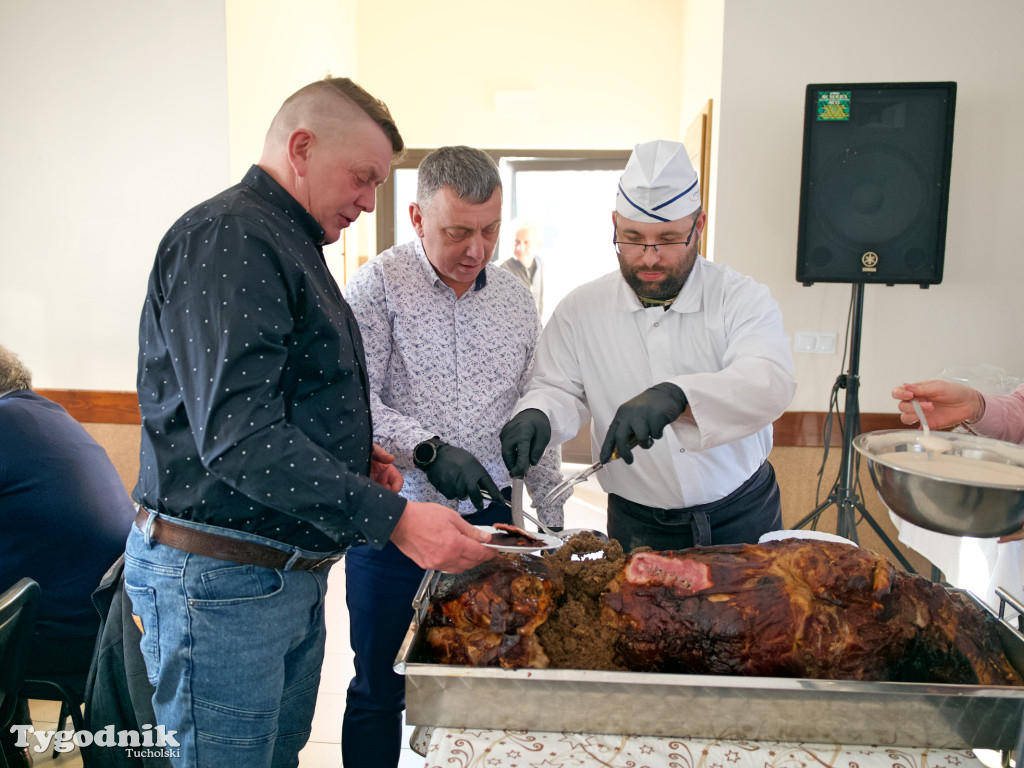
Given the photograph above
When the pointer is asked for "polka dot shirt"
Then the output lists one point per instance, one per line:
(252, 379)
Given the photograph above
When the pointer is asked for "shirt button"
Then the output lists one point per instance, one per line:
(682, 450)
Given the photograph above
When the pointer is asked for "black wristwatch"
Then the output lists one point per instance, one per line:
(424, 454)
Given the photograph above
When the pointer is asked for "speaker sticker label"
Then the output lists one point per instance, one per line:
(834, 105)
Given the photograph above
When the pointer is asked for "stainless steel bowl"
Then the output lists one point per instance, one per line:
(956, 507)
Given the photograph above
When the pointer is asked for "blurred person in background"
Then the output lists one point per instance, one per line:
(526, 264)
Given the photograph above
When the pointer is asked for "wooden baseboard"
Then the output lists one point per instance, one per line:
(793, 429)
(807, 428)
(93, 406)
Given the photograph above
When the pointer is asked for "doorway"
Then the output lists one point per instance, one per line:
(568, 195)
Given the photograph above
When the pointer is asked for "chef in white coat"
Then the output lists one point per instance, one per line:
(680, 356)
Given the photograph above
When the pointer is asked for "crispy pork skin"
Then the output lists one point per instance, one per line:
(789, 608)
(797, 608)
(511, 536)
(486, 616)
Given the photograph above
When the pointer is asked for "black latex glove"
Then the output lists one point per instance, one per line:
(458, 475)
(642, 420)
(523, 440)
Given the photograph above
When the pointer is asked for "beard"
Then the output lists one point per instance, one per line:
(666, 288)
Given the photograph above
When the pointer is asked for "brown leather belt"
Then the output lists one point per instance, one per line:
(225, 547)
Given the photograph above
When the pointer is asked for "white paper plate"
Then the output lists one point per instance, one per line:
(802, 534)
(546, 541)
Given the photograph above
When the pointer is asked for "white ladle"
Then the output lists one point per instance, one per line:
(929, 442)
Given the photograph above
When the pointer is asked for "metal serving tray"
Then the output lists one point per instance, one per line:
(709, 706)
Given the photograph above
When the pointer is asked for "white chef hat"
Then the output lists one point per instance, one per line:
(659, 183)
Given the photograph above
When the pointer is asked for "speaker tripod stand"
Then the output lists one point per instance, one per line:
(844, 495)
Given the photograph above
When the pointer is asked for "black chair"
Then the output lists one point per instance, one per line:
(17, 622)
(60, 689)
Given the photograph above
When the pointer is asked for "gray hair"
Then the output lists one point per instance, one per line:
(13, 373)
(472, 175)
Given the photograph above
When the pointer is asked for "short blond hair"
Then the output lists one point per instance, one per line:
(333, 101)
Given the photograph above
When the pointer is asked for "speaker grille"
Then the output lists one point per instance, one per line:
(875, 183)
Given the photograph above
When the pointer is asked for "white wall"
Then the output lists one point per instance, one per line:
(701, 47)
(771, 52)
(120, 115)
(536, 73)
(114, 123)
(73, 271)
(273, 49)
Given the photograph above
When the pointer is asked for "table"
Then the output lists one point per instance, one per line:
(482, 748)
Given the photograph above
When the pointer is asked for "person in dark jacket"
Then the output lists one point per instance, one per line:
(64, 519)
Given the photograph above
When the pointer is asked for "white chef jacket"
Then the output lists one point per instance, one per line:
(721, 341)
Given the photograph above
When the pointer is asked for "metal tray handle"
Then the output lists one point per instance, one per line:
(1005, 598)
(422, 599)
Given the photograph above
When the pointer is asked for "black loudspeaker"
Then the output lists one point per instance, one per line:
(874, 188)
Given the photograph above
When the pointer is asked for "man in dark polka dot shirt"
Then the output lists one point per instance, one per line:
(257, 467)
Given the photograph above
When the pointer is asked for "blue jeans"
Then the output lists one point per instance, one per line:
(379, 588)
(234, 651)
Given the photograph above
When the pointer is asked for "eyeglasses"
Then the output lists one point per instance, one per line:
(633, 250)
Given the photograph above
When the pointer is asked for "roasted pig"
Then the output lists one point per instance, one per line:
(790, 608)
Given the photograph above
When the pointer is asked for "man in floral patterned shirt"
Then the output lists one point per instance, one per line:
(449, 345)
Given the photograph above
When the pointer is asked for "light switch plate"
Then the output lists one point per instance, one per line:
(806, 342)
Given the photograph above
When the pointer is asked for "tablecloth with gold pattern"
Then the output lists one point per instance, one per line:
(482, 748)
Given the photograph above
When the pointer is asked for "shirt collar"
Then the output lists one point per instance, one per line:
(432, 276)
(264, 185)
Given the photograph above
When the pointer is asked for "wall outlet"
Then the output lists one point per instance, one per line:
(814, 343)
(805, 342)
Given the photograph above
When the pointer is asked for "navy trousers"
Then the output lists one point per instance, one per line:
(379, 588)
